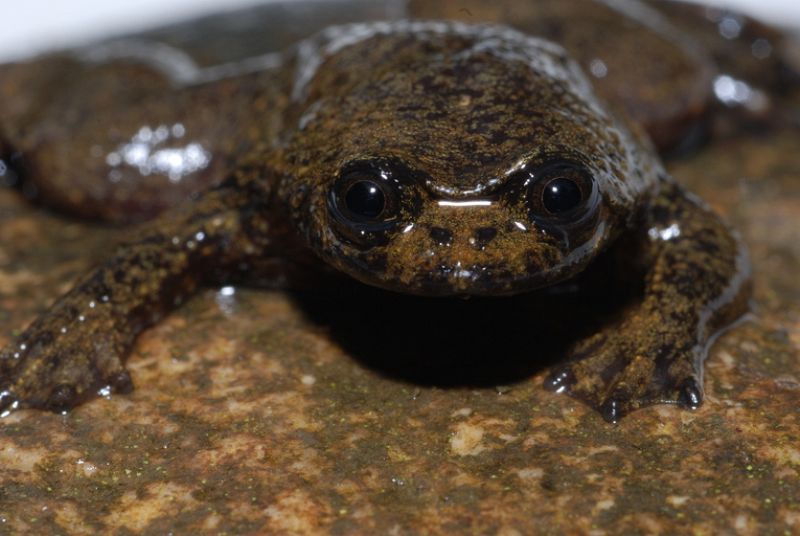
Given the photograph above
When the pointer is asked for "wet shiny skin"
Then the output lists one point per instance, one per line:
(420, 157)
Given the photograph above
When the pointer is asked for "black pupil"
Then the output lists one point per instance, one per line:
(365, 199)
(561, 195)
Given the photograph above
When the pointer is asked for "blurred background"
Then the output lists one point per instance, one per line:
(35, 25)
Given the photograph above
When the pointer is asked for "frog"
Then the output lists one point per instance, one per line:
(432, 158)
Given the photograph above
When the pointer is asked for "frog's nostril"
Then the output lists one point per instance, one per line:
(483, 236)
(441, 236)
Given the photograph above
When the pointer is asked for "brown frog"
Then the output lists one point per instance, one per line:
(428, 158)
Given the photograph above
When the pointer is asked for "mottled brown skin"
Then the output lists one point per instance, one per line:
(668, 93)
(463, 129)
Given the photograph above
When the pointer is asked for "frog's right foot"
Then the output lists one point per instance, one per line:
(636, 365)
(57, 370)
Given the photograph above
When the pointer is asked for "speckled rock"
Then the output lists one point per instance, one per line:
(252, 415)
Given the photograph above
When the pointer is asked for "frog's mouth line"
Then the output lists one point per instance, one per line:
(454, 278)
(466, 281)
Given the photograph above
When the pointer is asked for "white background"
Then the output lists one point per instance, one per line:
(29, 26)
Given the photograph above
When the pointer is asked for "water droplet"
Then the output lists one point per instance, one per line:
(113, 159)
(146, 152)
(598, 68)
(730, 27)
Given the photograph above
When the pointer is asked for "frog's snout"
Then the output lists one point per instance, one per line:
(479, 253)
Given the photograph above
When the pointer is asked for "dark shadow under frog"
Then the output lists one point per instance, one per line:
(432, 159)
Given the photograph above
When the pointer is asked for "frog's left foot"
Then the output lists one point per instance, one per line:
(630, 367)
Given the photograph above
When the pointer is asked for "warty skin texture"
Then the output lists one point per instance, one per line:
(466, 124)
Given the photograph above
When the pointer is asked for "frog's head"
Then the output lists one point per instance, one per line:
(446, 159)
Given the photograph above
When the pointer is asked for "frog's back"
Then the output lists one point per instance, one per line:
(126, 129)
(638, 62)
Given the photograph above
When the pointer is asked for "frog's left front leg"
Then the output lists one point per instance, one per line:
(697, 283)
(77, 347)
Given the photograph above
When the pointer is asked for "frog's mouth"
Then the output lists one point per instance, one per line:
(451, 271)
(464, 280)
(482, 280)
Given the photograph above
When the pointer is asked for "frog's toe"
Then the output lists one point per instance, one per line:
(565, 377)
(612, 410)
(560, 380)
(8, 401)
(577, 381)
(691, 394)
(120, 382)
(62, 398)
(585, 375)
(623, 397)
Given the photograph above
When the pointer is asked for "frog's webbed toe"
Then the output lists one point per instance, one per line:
(628, 368)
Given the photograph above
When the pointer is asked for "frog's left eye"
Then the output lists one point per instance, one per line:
(562, 192)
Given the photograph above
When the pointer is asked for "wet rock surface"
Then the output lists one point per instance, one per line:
(253, 413)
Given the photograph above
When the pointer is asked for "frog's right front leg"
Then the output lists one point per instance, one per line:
(697, 283)
(77, 347)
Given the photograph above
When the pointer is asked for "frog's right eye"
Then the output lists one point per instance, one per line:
(361, 196)
(367, 201)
